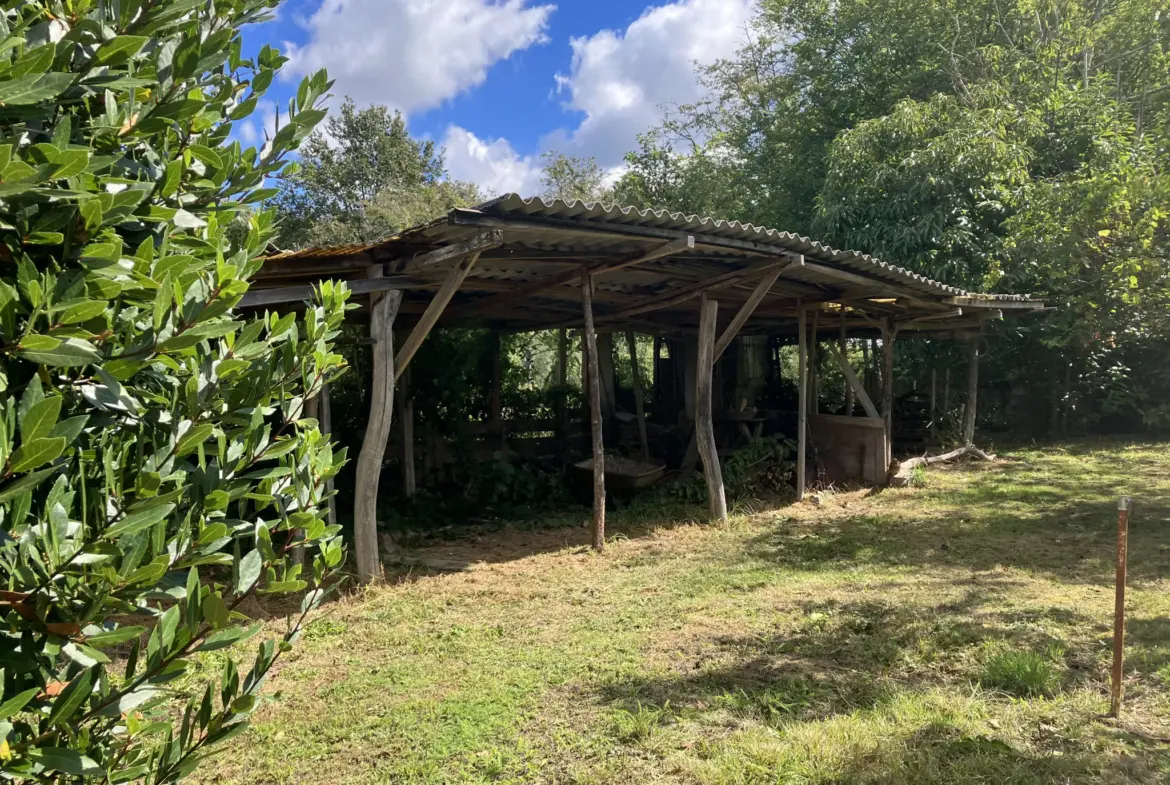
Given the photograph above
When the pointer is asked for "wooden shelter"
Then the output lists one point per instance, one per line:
(516, 264)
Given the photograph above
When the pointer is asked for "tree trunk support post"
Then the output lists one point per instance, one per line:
(802, 402)
(971, 408)
(369, 464)
(639, 394)
(889, 336)
(1118, 672)
(594, 392)
(704, 424)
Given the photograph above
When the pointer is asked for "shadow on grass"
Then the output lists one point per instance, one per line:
(865, 677)
(1063, 528)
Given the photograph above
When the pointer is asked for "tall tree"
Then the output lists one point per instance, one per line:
(573, 178)
(364, 177)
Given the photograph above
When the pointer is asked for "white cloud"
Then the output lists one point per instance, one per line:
(494, 165)
(621, 80)
(414, 54)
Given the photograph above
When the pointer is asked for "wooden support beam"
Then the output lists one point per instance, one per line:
(746, 310)
(685, 293)
(521, 293)
(427, 321)
(854, 384)
(889, 335)
(327, 431)
(476, 244)
(704, 425)
(369, 462)
(406, 421)
(969, 410)
(639, 396)
(801, 404)
(258, 298)
(843, 348)
(594, 393)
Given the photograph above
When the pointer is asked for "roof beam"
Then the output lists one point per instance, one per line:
(994, 303)
(477, 243)
(683, 294)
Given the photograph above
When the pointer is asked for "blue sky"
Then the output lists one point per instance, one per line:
(498, 82)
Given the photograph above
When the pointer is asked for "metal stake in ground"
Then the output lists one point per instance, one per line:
(1123, 507)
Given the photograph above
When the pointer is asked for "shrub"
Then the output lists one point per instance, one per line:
(155, 467)
(1022, 673)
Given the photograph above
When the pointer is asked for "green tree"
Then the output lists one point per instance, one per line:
(157, 469)
(572, 178)
(362, 179)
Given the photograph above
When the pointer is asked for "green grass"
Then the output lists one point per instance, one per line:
(1023, 673)
(952, 633)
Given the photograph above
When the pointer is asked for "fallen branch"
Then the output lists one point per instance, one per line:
(901, 472)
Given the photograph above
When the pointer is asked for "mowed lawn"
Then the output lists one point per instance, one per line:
(954, 633)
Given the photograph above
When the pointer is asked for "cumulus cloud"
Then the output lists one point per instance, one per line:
(620, 80)
(414, 54)
(493, 165)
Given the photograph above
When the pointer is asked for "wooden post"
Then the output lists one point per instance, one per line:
(639, 397)
(889, 333)
(1123, 506)
(843, 342)
(934, 404)
(813, 371)
(369, 463)
(802, 402)
(855, 384)
(972, 392)
(590, 343)
(327, 430)
(406, 418)
(704, 426)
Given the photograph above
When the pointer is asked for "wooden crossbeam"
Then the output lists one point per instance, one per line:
(521, 293)
(683, 294)
(746, 311)
(427, 321)
(478, 243)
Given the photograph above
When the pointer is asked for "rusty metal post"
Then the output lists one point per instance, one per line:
(1123, 507)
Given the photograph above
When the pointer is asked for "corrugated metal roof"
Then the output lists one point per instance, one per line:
(596, 212)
